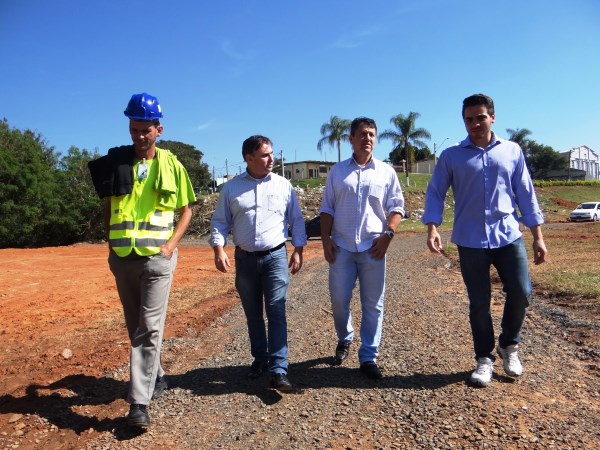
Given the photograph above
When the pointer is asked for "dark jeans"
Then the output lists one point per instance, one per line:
(511, 263)
(264, 280)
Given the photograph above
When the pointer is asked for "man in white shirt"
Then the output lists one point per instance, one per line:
(257, 207)
(361, 209)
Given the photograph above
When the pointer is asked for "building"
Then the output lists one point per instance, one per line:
(307, 169)
(586, 159)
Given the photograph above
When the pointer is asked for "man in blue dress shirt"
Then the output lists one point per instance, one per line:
(362, 207)
(489, 180)
(257, 207)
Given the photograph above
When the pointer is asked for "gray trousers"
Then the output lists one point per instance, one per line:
(143, 284)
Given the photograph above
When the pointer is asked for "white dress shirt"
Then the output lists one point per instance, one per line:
(258, 212)
(359, 198)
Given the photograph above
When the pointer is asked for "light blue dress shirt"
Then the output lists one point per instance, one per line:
(488, 185)
(257, 211)
(359, 198)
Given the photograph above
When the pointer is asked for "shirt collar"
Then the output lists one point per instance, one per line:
(371, 162)
(258, 180)
(468, 143)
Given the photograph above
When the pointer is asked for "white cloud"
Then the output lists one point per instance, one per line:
(205, 125)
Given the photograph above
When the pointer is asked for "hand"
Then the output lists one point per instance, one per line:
(329, 249)
(539, 251)
(434, 240)
(222, 261)
(167, 249)
(380, 246)
(295, 262)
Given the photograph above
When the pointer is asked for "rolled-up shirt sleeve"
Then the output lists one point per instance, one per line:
(296, 221)
(395, 199)
(221, 221)
(529, 208)
(436, 194)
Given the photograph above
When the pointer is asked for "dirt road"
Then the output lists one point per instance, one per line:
(64, 364)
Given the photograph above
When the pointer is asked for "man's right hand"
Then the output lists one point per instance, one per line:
(434, 240)
(221, 259)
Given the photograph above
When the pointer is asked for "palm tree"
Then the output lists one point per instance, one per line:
(407, 138)
(334, 132)
(518, 136)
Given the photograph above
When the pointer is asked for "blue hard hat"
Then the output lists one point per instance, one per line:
(143, 107)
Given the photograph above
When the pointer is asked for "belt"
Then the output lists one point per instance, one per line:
(261, 252)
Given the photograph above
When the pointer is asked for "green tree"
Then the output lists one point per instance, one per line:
(422, 154)
(191, 158)
(406, 138)
(539, 158)
(334, 132)
(519, 136)
(31, 210)
(542, 158)
(85, 207)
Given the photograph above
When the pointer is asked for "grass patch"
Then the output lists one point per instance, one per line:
(572, 267)
(557, 202)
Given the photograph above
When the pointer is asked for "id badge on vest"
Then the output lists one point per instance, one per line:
(142, 172)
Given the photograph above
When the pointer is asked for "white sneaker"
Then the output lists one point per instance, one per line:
(482, 376)
(510, 360)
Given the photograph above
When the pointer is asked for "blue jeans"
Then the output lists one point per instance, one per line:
(264, 280)
(511, 263)
(343, 273)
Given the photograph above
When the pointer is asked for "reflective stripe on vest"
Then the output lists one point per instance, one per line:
(125, 225)
(149, 227)
(145, 236)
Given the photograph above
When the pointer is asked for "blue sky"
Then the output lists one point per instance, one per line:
(224, 70)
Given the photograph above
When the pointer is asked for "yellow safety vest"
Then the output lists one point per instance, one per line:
(138, 221)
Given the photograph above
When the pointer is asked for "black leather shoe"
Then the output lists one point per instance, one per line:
(159, 387)
(341, 352)
(257, 369)
(371, 370)
(138, 416)
(280, 382)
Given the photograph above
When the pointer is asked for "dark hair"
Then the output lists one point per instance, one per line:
(362, 120)
(476, 100)
(254, 143)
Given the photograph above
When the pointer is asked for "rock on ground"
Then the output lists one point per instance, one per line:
(424, 400)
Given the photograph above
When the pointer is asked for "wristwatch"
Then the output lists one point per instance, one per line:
(389, 233)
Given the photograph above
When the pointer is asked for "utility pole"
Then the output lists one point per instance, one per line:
(282, 167)
(214, 183)
(435, 147)
(226, 171)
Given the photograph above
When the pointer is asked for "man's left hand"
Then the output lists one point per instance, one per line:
(380, 246)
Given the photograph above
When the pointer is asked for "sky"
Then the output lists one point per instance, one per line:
(225, 70)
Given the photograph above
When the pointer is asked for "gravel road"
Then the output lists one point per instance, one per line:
(423, 401)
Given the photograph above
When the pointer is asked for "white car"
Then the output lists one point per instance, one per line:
(586, 211)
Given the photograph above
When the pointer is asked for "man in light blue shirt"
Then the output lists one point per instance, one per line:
(257, 207)
(489, 179)
(362, 207)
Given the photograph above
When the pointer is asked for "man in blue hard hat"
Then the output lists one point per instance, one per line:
(142, 187)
